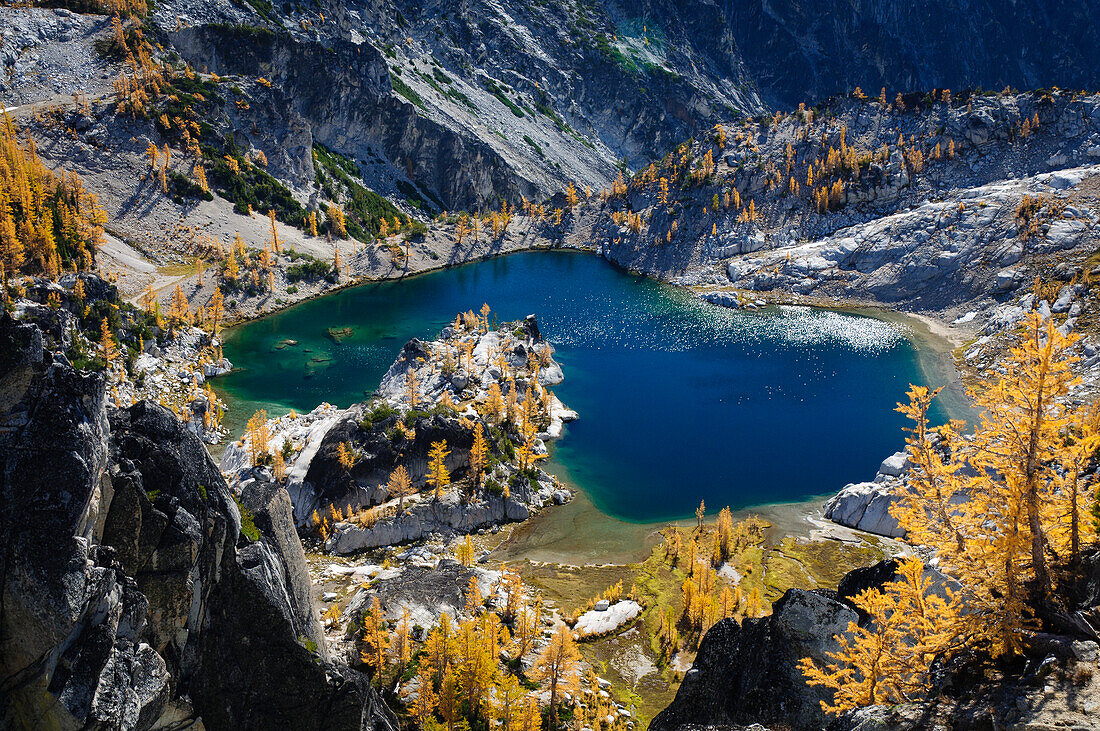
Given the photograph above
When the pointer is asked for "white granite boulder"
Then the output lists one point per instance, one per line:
(865, 506)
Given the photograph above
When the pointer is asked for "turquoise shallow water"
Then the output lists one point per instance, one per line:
(679, 400)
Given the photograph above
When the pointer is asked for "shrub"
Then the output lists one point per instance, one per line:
(252, 189)
(248, 521)
(406, 91)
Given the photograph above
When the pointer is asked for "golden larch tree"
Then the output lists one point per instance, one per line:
(412, 393)
(107, 344)
(345, 455)
(558, 666)
(465, 551)
(376, 641)
(438, 475)
(479, 453)
(993, 522)
(888, 660)
(258, 435)
(400, 486)
(423, 708)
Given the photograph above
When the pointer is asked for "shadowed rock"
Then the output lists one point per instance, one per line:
(130, 596)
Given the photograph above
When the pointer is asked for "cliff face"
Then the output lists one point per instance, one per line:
(131, 594)
(341, 93)
(506, 98)
(748, 673)
(805, 51)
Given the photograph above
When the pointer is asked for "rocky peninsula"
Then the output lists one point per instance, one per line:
(477, 384)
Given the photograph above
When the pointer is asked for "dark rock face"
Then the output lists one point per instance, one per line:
(66, 622)
(603, 81)
(344, 95)
(130, 595)
(749, 673)
(379, 457)
(866, 577)
(806, 51)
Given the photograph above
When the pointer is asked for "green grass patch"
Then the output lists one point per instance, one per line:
(498, 92)
(406, 91)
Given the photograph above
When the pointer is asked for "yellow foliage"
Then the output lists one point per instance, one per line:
(258, 435)
(993, 523)
(400, 486)
(888, 661)
(465, 551)
(558, 666)
(47, 220)
(438, 475)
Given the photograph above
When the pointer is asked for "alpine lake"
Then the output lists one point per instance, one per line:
(679, 400)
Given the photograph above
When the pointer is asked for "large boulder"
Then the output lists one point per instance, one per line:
(748, 673)
(426, 592)
(866, 506)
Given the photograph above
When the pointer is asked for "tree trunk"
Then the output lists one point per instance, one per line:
(1074, 525)
(1038, 558)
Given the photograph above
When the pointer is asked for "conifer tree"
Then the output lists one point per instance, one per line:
(336, 222)
(449, 700)
(47, 219)
(258, 435)
(478, 454)
(179, 309)
(107, 344)
(401, 642)
(275, 245)
(558, 666)
(725, 532)
(508, 703)
(216, 311)
(376, 641)
(345, 455)
(424, 707)
(412, 394)
(438, 475)
(990, 524)
(400, 486)
(465, 551)
(571, 197)
(888, 661)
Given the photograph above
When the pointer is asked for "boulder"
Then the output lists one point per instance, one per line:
(605, 618)
(426, 592)
(748, 673)
(865, 506)
(1005, 280)
(895, 465)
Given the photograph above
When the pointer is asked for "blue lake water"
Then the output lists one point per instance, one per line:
(679, 400)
